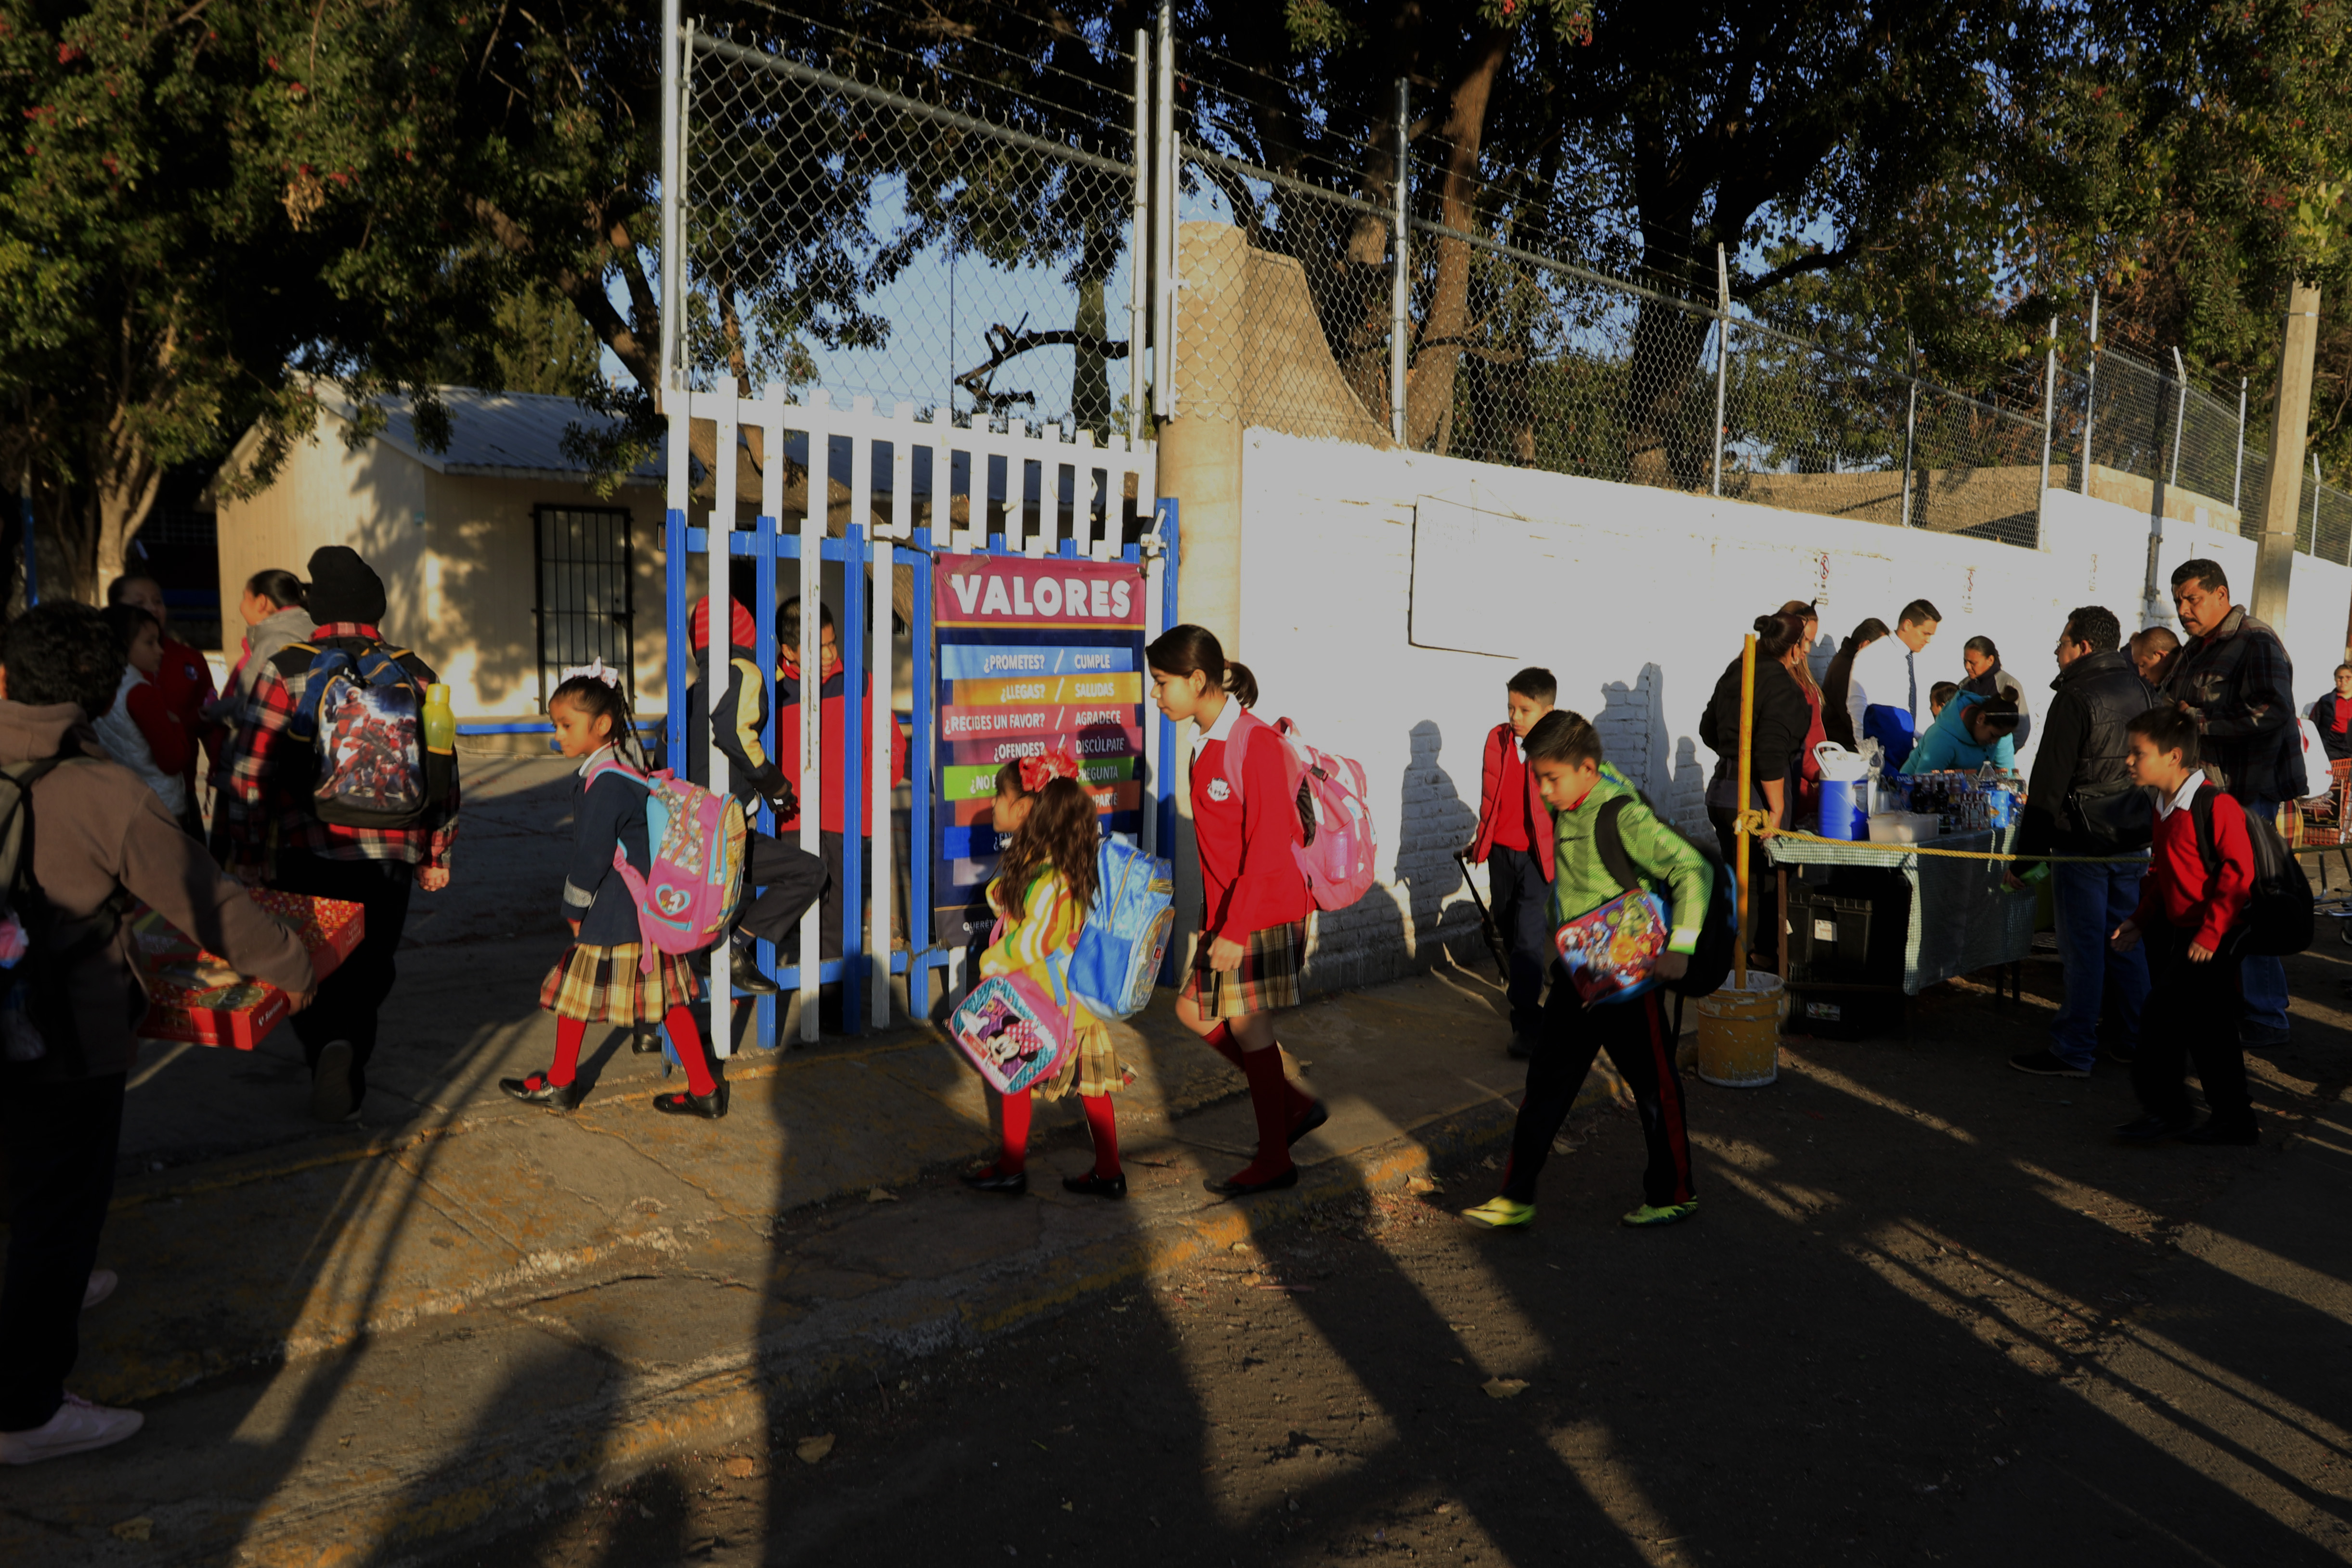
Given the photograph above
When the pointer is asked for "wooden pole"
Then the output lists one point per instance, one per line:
(2290, 423)
(1747, 743)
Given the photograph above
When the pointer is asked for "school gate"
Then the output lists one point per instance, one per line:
(1056, 562)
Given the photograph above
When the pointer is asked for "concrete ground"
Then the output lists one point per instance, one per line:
(467, 1318)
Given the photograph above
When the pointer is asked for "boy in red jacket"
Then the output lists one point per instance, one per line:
(2191, 908)
(1514, 841)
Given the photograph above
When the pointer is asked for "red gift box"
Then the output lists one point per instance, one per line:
(193, 996)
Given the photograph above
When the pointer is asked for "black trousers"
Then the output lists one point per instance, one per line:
(1641, 1043)
(59, 1140)
(351, 999)
(1763, 892)
(789, 879)
(1523, 916)
(2192, 1015)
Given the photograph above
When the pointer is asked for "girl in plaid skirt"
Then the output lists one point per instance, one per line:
(1254, 919)
(602, 979)
(1044, 888)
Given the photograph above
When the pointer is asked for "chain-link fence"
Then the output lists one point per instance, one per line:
(966, 245)
(973, 255)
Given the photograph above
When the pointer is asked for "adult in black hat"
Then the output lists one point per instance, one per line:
(289, 823)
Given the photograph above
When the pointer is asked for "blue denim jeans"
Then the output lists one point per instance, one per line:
(2264, 978)
(2090, 902)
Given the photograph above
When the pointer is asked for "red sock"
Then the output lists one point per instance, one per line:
(569, 1033)
(687, 1040)
(1269, 1098)
(1015, 1154)
(1221, 1040)
(1103, 1123)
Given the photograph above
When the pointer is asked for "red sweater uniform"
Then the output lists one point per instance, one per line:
(185, 681)
(1250, 879)
(2179, 890)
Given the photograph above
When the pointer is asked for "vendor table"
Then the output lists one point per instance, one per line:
(1962, 918)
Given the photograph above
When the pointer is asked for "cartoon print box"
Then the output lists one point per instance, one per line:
(1013, 1030)
(193, 996)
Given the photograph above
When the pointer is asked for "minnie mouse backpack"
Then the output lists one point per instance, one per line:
(1334, 842)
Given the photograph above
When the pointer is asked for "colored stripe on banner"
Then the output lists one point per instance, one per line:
(1048, 689)
(979, 843)
(979, 783)
(1127, 797)
(980, 662)
(1095, 740)
(959, 725)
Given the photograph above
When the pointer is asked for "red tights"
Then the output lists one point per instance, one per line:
(1278, 1103)
(1101, 1121)
(683, 1036)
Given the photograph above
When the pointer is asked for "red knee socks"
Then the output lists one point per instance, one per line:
(687, 1040)
(1014, 1156)
(1270, 1099)
(1103, 1123)
(1221, 1040)
(569, 1032)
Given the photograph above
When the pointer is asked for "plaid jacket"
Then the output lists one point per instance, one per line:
(2237, 683)
(265, 804)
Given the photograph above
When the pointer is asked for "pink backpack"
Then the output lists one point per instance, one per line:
(698, 841)
(1335, 841)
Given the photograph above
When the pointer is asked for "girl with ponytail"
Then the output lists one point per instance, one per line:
(1253, 941)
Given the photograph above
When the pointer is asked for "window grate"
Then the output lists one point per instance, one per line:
(585, 593)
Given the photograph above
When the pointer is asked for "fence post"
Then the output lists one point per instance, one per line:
(1401, 276)
(673, 218)
(2180, 413)
(2315, 503)
(32, 542)
(2237, 481)
(2089, 398)
(1910, 419)
(2049, 406)
(1138, 266)
(1722, 344)
(1163, 334)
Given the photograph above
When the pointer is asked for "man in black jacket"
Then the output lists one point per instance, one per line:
(2079, 802)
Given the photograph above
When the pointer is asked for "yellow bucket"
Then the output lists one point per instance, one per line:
(1739, 1033)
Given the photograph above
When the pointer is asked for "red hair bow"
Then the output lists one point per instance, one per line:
(1036, 772)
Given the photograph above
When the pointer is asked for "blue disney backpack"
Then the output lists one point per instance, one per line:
(1117, 961)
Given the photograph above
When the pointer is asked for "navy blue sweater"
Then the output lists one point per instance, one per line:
(611, 811)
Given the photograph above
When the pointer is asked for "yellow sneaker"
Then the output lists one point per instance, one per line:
(1498, 1212)
(1650, 1214)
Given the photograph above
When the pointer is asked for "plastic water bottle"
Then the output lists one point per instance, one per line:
(440, 723)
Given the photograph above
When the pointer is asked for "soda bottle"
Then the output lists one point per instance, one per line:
(440, 723)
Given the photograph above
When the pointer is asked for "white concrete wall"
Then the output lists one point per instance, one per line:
(1635, 598)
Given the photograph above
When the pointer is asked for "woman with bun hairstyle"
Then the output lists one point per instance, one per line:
(1253, 941)
(1837, 722)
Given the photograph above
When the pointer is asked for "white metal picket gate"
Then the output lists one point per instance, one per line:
(1108, 485)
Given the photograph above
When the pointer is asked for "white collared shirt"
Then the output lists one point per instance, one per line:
(594, 758)
(1220, 731)
(2180, 798)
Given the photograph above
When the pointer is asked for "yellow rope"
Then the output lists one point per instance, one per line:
(1952, 854)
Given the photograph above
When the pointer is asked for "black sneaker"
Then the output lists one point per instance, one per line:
(2223, 1133)
(2118, 1055)
(334, 1090)
(2152, 1129)
(2047, 1064)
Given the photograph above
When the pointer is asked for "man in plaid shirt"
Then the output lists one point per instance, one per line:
(272, 836)
(2234, 678)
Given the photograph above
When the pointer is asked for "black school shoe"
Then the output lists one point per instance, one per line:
(537, 1090)
(1314, 1116)
(2212, 1133)
(685, 1102)
(1092, 1185)
(1015, 1184)
(2151, 1129)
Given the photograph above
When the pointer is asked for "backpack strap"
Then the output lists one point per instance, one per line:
(2201, 815)
(1610, 840)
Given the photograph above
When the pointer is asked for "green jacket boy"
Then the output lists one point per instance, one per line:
(1667, 863)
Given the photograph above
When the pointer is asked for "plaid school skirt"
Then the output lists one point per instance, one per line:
(1268, 979)
(603, 984)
